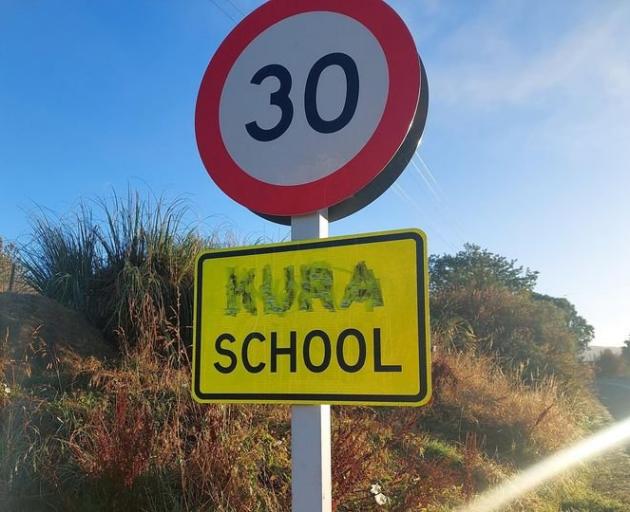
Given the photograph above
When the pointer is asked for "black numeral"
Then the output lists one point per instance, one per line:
(352, 93)
(281, 98)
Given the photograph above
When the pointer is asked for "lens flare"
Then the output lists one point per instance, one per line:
(531, 478)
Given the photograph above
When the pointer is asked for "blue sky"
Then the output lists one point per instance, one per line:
(527, 137)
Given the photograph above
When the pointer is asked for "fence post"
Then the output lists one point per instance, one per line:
(12, 277)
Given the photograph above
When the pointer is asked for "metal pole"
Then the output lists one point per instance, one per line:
(311, 474)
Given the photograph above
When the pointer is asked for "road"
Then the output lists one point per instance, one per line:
(615, 394)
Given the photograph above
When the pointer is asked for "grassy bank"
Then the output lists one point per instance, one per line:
(83, 433)
(96, 411)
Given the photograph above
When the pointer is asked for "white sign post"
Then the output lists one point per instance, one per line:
(311, 481)
(308, 112)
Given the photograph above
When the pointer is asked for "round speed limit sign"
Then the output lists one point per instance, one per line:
(311, 104)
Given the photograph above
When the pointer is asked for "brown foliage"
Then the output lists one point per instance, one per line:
(353, 457)
(510, 418)
(116, 446)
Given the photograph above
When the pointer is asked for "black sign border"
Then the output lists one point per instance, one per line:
(286, 398)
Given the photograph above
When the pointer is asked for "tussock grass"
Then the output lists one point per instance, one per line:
(127, 264)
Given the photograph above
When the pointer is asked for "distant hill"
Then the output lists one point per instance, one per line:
(594, 351)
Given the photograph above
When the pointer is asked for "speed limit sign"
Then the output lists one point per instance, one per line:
(311, 104)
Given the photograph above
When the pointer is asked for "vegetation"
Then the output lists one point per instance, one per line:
(484, 303)
(11, 276)
(128, 271)
(114, 427)
(608, 364)
(478, 268)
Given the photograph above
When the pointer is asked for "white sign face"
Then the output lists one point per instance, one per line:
(298, 153)
(306, 102)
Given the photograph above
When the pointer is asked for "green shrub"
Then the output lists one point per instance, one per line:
(522, 333)
(484, 302)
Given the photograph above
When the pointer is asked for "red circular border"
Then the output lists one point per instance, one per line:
(287, 200)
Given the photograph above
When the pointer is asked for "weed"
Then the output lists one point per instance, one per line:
(115, 447)
(354, 461)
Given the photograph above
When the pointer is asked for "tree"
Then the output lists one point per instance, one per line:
(583, 331)
(484, 302)
(478, 268)
(625, 351)
(8, 269)
(521, 332)
(609, 364)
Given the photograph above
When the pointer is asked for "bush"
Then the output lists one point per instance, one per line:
(484, 302)
(521, 332)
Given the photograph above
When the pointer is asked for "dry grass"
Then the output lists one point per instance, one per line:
(131, 438)
(127, 435)
(509, 418)
(134, 440)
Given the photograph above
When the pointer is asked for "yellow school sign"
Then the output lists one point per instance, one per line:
(339, 321)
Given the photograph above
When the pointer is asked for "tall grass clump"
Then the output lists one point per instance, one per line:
(126, 263)
(62, 260)
(147, 277)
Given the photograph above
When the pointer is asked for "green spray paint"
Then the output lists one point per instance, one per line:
(242, 285)
(271, 302)
(317, 283)
(363, 287)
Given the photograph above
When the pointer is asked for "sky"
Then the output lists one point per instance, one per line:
(526, 150)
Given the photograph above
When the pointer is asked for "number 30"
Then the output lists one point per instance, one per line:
(281, 99)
